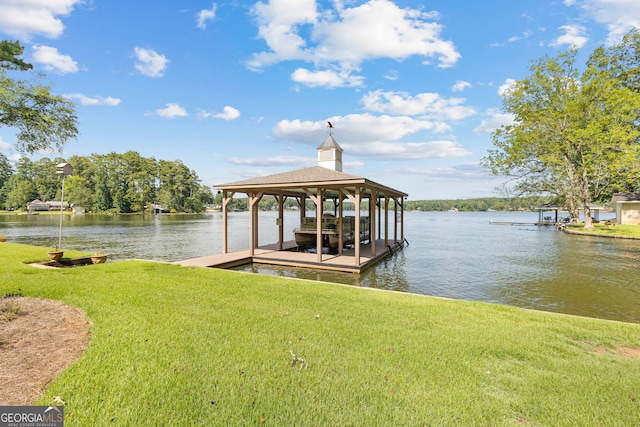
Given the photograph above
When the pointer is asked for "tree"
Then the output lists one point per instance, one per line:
(575, 134)
(9, 53)
(6, 170)
(19, 192)
(43, 120)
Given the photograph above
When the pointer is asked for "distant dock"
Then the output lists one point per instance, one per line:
(522, 223)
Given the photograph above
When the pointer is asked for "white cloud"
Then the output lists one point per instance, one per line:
(23, 19)
(4, 145)
(506, 87)
(460, 85)
(228, 113)
(326, 78)
(369, 136)
(206, 15)
(353, 127)
(250, 173)
(352, 165)
(392, 75)
(494, 122)
(96, 100)
(407, 150)
(573, 36)
(461, 172)
(53, 60)
(618, 15)
(273, 161)
(431, 105)
(524, 35)
(149, 62)
(171, 110)
(343, 38)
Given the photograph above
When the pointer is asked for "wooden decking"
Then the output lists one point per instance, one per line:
(290, 257)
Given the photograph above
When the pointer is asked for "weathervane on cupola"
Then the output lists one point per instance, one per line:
(330, 153)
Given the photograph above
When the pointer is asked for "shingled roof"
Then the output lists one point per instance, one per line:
(626, 197)
(300, 176)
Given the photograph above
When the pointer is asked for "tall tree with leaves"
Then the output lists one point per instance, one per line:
(574, 133)
(6, 170)
(43, 120)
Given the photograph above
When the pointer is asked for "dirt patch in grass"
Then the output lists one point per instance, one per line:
(621, 350)
(39, 339)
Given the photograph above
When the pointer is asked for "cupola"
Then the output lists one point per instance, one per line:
(330, 154)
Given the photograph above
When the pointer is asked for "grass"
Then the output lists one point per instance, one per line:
(8, 311)
(187, 346)
(619, 230)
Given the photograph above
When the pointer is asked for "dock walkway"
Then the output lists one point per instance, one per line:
(289, 257)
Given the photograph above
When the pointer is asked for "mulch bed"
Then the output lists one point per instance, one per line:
(39, 339)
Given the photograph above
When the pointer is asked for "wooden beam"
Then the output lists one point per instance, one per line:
(402, 219)
(280, 198)
(386, 221)
(226, 197)
(340, 224)
(395, 220)
(318, 200)
(254, 199)
(372, 223)
(356, 249)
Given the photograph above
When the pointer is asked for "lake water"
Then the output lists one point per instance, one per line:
(455, 255)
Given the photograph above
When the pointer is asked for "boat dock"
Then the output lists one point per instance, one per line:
(522, 223)
(289, 256)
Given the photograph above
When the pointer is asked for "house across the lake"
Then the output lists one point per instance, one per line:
(627, 208)
(38, 205)
(331, 239)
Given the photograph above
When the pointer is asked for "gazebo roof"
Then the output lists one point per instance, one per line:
(310, 179)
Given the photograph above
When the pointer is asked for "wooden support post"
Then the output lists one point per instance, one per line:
(386, 221)
(372, 218)
(226, 197)
(379, 205)
(254, 199)
(280, 198)
(340, 223)
(357, 213)
(395, 220)
(402, 219)
(319, 202)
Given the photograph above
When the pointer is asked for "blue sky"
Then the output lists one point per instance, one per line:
(240, 89)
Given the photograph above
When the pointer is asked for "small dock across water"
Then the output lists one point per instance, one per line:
(522, 223)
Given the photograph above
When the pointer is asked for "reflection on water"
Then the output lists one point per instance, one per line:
(455, 255)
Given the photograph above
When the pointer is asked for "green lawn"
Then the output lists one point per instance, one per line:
(186, 346)
(618, 230)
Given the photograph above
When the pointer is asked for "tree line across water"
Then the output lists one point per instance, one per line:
(486, 204)
(115, 183)
(129, 183)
